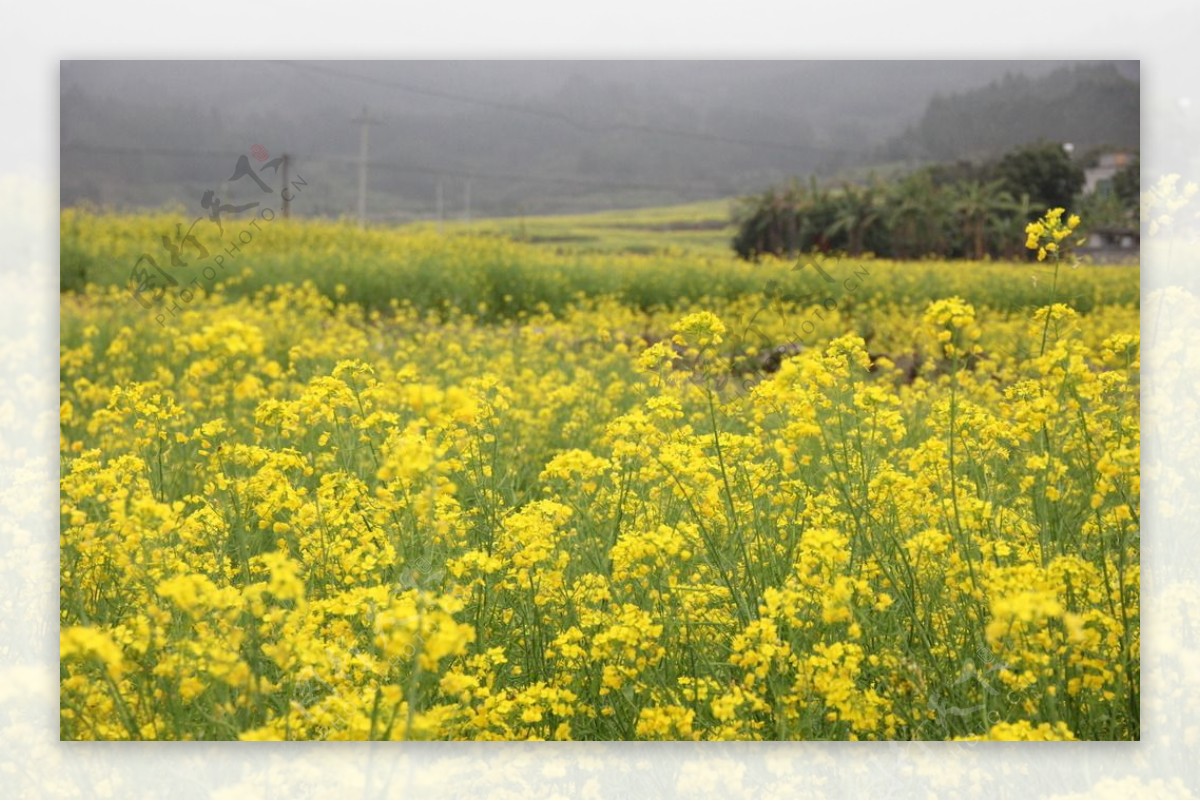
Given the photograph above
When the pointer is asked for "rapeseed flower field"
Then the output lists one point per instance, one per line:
(391, 485)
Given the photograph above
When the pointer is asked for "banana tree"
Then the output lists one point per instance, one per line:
(977, 203)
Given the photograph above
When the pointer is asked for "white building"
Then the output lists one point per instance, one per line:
(1099, 178)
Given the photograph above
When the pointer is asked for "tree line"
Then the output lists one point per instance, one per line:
(959, 210)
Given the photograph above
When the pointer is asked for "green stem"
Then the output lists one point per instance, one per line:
(1050, 308)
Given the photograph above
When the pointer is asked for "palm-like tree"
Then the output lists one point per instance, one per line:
(815, 216)
(977, 203)
(916, 214)
(856, 212)
(772, 222)
(1009, 229)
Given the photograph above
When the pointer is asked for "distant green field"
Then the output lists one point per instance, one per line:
(653, 259)
(699, 227)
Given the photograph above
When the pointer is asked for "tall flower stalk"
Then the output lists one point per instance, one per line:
(1049, 237)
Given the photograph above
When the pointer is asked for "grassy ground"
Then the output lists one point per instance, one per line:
(650, 261)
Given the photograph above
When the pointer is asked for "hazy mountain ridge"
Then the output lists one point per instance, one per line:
(1088, 105)
(517, 137)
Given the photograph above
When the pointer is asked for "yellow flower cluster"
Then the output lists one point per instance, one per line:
(1047, 234)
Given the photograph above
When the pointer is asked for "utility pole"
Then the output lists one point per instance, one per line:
(365, 121)
(440, 205)
(287, 205)
(467, 201)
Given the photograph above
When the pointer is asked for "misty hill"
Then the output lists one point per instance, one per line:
(1089, 105)
(502, 138)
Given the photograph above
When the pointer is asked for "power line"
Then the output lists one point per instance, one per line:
(501, 176)
(152, 151)
(465, 173)
(565, 118)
